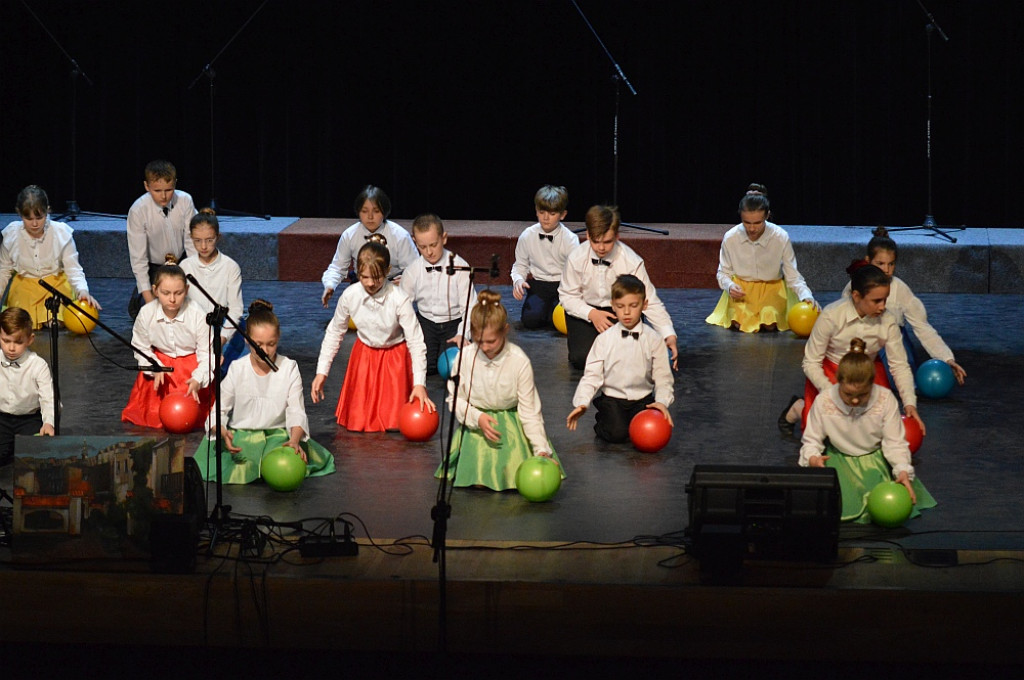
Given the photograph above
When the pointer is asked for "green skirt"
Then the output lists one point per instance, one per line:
(244, 467)
(476, 461)
(858, 475)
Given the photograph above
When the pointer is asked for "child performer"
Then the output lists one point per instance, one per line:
(440, 298)
(757, 271)
(541, 252)
(862, 315)
(906, 307)
(157, 227)
(218, 274)
(628, 364)
(36, 249)
(497, 403)
(178, 335)
(261, 409)
(26, 386)
(387, 366)
(585, 290)
(373, 207)
(854, 427)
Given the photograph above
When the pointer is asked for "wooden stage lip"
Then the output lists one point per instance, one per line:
(593, 601)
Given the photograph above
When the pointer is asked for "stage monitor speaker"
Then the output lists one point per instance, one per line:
(741, 512)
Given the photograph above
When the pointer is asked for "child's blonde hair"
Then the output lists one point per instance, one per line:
(169, 269)
(551, 198)
(160, 169)
(16, 320)
(601, 219)
(374, 258)
(427, 222)
(627, 284)
(856, 367)
(488, 313)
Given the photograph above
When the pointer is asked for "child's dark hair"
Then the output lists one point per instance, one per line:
(160, 169)
(755, 199)
(375, 195)
(170, 269)
(261, 313)
(601, 219)
(881, 240)
(856, 367)
(427, 222)
(32, 201)
(551, 198)
(627, 284)
(864, 277)
(374, 258)
(205, 216)
(16, 320)
(487, 313)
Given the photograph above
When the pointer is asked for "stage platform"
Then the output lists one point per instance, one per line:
(596, 578)
(982, 260)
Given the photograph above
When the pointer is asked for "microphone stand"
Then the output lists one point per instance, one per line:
(929, 220)
(221, 513)
(442, 510)
(53, 304)
(211, 75)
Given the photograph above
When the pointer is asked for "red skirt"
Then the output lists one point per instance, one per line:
(144, 402)
(830, 368)
(378, 381)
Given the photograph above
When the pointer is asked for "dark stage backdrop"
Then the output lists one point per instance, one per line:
(465, 107)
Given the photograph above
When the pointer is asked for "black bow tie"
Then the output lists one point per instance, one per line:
(606, 263)
(635, 334)
(550, 237)
(435, 269)
(166, 210)
(10, 364)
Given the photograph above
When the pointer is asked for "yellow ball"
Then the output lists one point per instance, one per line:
(351, 324)
(558, 318)
(78, 324)
(801, 318)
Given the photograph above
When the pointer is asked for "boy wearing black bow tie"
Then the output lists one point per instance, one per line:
(541, 252)
(26, 387)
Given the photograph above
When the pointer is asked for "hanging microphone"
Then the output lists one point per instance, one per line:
(494, 266)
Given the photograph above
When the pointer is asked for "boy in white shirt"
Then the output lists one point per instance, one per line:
(541, 252)
(26, 386)
(628, 364)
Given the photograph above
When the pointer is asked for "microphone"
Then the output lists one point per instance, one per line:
(450, 270)
(494, 266)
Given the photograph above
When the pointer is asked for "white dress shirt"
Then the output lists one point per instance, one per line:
(907, 308)
(222, 279)
(769, 258)
(383, 320)
(543, 258)
(27, 388)
(153, 235)
(586, 286)
(39, 257)
(439, 298)
(250, 401)
(400, 245)
(837, 325)
(499, 384)
(857, 430)
(625, 367)
(187, 333)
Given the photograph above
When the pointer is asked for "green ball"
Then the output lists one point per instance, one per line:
(538, 479)
(889, 504)
(283, 469)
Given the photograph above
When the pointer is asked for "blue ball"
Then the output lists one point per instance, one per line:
(445, 362)
(935, 378)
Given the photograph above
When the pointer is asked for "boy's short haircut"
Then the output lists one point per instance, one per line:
(377, 196)
(551, 198)
(601, 219)
(427, 222)
(157, 170)
(627, 284)
(16, 320)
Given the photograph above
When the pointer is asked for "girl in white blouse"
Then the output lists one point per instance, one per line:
(36, 249)
(261, 410)
(497, 404)
(854, 427)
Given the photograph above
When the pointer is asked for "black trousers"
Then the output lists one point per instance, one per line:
(10, 425)
(436, 335)
(539, 303)
(580, 335)
(613, 416)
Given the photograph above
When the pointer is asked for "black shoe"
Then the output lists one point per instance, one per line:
(786, 427)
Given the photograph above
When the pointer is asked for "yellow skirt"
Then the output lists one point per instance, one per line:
(25, 292)
(764, 303)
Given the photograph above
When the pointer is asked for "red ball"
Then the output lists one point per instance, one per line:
(649, 431)
(913, 433)
(179, 413)
(416, 425)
